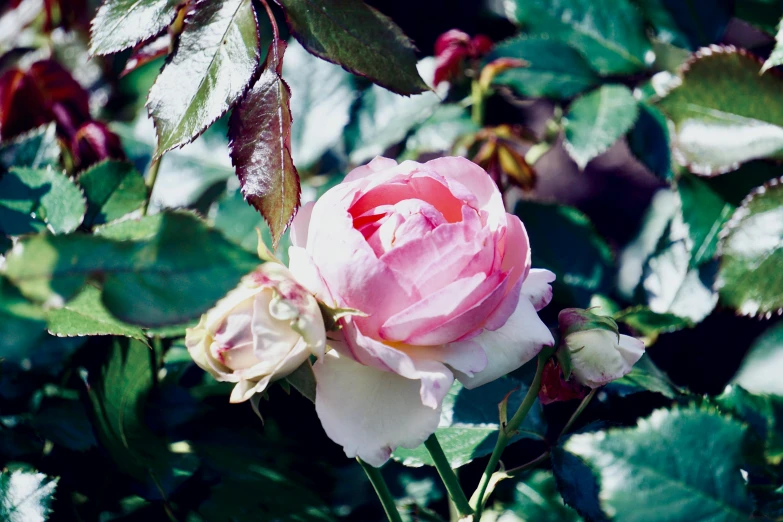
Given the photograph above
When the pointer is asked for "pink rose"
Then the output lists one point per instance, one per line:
(442, 272)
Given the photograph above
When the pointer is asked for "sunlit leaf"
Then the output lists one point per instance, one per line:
(113, 189)
(358, 37)
(724, 112)
(215, 60)
(26, 496)
(749, 279)
(595, 121)
(120, 24)
(260, 132)
(36, 149)
(655, 471)
(761, 368)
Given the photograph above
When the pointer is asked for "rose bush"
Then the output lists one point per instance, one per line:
(442, 272)
(260, 332)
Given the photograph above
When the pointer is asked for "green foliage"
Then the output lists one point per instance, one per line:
(469, 423)
(556, 69)
(656, 471)
(25, 496)
(645, 376)
(139, 262)
(120, 24)
(440, 131)
(609, 33)
(36, 150)
(112, 189)
(21, 323)
(357, 37)
(215, 60)
(649, 141)
(724, 113)
(764, 415)
(537, 498)
(760, 370)
(32, 200)
(751, 251)
(578, 276)
(595, 121)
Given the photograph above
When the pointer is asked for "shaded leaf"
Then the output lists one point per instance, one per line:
(139, 262)
(118, 394)
(215, 61)
(579, 257)
(645, 376)
(120, 24)
(649, 141)
(649, 323)
(260, 133)
(303, 379)
(764, 415)
(469, 423)
(33, 199)
(36, 149)
(85, 314)
(26, 496)
(113, 189)
(537, 498)
(609, 33)
(595, 121)
(655, 471)
(749, 278)
(691, 24)
(763, 365)
(440, 131)
(384, 119)
(21, 324)
(724, 113)
(358, 37)
(555, 69)
(323, 94)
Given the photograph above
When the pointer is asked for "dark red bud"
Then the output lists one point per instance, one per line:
(94, 142)
(452, 38)
(481, 45)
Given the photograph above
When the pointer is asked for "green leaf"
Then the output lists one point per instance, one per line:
(609, 33)
(576, 481)
(649, 323)
(595, 121)
(763, 14)
(649, 141)
(322, 96)
(692, 24)
(763, 365)
(646, 376)
(440, 131)
(25, 496)
(21, 324)
(118, 396)
(579, 257)
(267, 175)
(36, 150)
(139, 262)
(705, 213)
(303, 379)
(216, 58)
(384, 119)
(764, 415)
(537, 498)
(556, 70)
(32, 200)
(724, 113)
(469, 423)
(113, 189)
(749, 278)
(85, 314)
(655, 471)
(776, 57)
(358, 37)
(120, 24)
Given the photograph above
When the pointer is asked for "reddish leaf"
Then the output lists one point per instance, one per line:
(555, 388)
(93, 143)
(260, 134)
(45, 92)
(146, 52)
(452, 47)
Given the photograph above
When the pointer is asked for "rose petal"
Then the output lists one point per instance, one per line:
(301, 224)
(597, 359)
(378, 164)
(509, 347)
(370, 412)
(474, 179)
(537, 287)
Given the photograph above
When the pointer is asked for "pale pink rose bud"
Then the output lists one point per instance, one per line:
(598, 353)
(260, 332)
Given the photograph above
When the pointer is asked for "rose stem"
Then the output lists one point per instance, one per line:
(152, 176)
(385, 496)
(578, 412)
(506, 432)
(447, 475)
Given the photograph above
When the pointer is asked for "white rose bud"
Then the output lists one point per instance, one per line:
(260, 332)
(598, 353)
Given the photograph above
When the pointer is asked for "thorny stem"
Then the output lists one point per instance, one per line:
(152, 176)
(447, 475)
(578, 412)
(504, 436)
(382, 490)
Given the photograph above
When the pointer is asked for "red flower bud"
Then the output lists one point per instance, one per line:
(555, 388)
(94, 142)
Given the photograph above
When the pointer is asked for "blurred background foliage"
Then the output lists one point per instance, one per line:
(638, 140)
